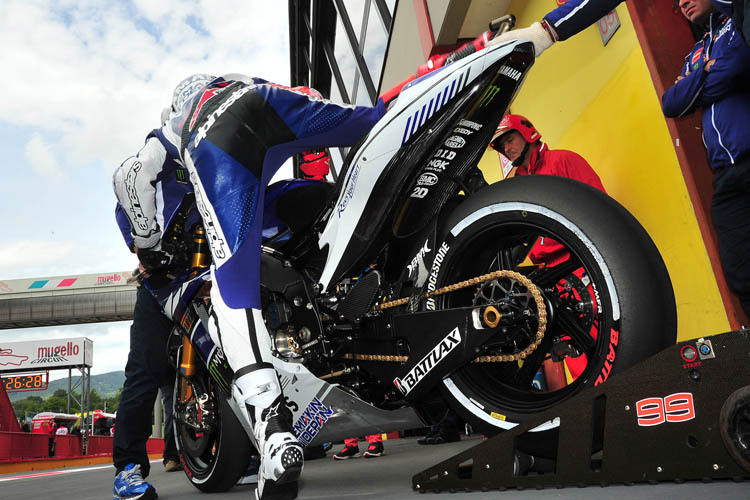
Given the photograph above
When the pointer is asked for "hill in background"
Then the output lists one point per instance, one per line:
(106, 384)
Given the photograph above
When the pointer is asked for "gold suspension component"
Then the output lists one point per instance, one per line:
(187, 368)
(201, 256)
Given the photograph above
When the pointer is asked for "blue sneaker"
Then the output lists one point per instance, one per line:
(251, 475)
(130, 485)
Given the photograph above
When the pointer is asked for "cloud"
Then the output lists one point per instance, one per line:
(42, 159)
(33, 256)
(98, 73)
(85, 81)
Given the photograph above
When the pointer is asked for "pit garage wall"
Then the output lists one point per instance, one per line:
(600, 102)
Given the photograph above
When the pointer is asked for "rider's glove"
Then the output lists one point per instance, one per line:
(315, 165)
(154, 259)
(536, 34)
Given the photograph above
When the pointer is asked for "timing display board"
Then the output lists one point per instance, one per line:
(26, 382)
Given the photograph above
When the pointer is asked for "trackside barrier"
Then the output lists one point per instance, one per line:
(18, 445)
(99, 445)
(68, 446)
(8, 422)
(155, 445)
(102, 445)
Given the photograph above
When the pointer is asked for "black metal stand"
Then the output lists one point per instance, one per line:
(660, 420)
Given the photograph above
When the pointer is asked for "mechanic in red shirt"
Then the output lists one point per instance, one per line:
(520, 142)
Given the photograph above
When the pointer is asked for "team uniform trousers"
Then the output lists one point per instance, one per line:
(730, 210)
(144, 372)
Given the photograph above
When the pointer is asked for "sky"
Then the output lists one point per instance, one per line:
(83, 82)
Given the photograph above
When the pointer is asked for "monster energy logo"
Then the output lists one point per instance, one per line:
(489, 94)
(181, 175)
(215, 369)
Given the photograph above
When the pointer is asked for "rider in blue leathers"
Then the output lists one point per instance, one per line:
(232, 135)
(576, 15)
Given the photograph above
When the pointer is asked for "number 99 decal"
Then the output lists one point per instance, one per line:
(674, 408)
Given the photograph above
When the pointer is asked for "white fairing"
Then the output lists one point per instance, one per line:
(414, 106)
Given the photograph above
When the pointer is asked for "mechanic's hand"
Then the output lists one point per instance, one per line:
(153, 259)
(707, 67)
(534, 33)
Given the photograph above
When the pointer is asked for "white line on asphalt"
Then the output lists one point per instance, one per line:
(58, 472)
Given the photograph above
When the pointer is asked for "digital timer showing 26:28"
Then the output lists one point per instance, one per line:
(28, 382)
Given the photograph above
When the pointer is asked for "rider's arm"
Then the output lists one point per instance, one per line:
(124, 224)
(319, 123)
(576, 15)
(134, 185)
(560, 24)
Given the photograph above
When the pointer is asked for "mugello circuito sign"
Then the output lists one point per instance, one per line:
(46, 354)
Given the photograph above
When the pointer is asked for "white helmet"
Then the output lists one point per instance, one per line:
(187, 88)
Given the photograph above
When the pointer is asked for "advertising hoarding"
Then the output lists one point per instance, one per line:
(34, 355)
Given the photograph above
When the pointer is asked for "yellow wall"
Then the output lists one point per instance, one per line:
(600, 102)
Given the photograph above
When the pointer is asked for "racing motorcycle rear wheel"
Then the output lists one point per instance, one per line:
(609, 298)
(214, 448)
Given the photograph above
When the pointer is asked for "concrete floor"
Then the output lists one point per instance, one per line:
(384, 478)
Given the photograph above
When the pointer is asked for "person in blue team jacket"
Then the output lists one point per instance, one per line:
(715, 77)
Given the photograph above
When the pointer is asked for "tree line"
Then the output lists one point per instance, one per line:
(58, 403)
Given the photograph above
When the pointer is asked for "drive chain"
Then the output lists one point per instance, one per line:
(538, 299)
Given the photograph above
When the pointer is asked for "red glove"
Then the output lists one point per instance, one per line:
(315, 165)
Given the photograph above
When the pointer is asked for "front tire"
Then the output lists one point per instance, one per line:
(215, 455)
(610, 301)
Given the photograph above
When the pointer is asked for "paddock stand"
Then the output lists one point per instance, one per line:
(683, 414)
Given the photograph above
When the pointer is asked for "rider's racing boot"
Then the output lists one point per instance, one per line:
(281, 454)
(130, 485)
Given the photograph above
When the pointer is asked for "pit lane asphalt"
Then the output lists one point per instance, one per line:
(384, 478)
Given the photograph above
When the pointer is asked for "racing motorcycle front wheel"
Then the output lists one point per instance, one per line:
(214, 448)
(609, 299)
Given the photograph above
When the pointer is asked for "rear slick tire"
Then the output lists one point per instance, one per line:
(611, 300)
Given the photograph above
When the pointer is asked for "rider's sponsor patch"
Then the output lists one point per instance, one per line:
(312, 420)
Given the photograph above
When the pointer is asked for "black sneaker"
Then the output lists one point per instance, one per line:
(347, 452)
(374, 450)
(441, 438)
(424, 439)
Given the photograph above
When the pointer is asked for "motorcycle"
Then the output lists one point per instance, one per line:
(410, 287)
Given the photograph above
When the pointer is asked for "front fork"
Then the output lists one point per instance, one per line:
(187, 369)
(187, 364)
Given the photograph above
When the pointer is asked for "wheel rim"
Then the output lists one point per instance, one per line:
(739, 430)
(577, 297)
(198, 447)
